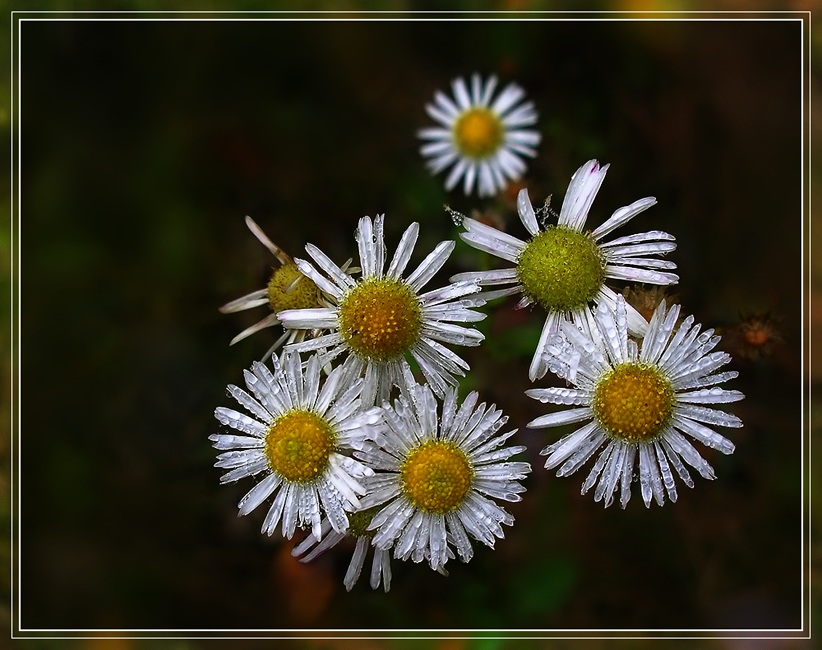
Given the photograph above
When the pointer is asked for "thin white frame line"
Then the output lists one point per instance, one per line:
(12, 330)
(796, 15)
(405, 20)
(17, 87)
(403, 637)
(801, 310)
(807, 215)
(399, 12)
(412, 629)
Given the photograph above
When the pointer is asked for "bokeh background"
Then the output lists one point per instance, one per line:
(144, 144)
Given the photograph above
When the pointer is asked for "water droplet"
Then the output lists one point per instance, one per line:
(456, 217)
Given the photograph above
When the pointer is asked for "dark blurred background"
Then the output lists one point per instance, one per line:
(144, 144)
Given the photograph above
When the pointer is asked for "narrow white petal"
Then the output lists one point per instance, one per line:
(561, 417)
(509, 96)
(461, 94)
(523, 115)
(430, 265)
(568, 396)
(526, 212)
(491, 240)
(445, 118)
(306, 319)
(228, 441)
(632, 274)
(644, 248)
(622, 216)
(569, 444)
(433, 149)
(582, 190)
(320, 280)
(706, 436)
(710, 396)
(488, 92)
(436, 165)
(239, 421)
(367, 245)
(539, 363)
(326, 264)
(352, 574)
(455, 174)
(269, 321)
(488, 278)
(249, 301)
(403, 252)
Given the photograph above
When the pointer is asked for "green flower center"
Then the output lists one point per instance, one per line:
(298, 445)
(290, 289)
(561, 269)
(478, 133)
(380, 318)
(633, 402)
(436, 476)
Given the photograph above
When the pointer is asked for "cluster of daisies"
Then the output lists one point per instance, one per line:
(352, 424)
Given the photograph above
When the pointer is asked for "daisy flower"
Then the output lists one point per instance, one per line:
(357, 528)
(435, 477)
(297, 436)
(636, 401)
(563, 268)
(287, 289)
(482, 136)
(382, 316)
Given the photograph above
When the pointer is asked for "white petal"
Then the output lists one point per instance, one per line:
(430, 265)
(307, 319)
(582, 190)
(622, 216)
(491, 240)
(526, 212)
(403, 252)
(561, 417)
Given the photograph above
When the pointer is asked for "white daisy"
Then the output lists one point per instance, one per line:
(381, 317)
(563, 268)
(636, 401)
(435, 477)
(287, 289)
(485, 140)
(357, 528)
(297, 436)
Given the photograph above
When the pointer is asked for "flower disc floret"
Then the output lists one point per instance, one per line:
(436, 477)
(561, 269)
(380, 318)
(633, 402)
(290, 289)
(298, 445)
(478, 133)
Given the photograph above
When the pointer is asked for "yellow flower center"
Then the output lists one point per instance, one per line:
(478, 133)
(298, 445)
(380, 318)
(561, 269)
(290, 289)
(436, 476)
(633, 402)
